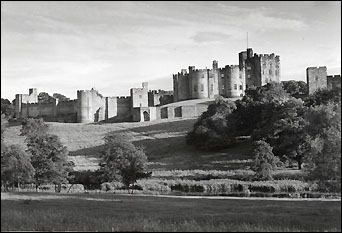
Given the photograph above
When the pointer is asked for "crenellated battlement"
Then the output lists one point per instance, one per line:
(334, 76)
(231, 66)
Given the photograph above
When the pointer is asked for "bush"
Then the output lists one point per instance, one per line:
(265, 161)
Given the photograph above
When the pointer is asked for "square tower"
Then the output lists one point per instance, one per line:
(316, 78)
(139, 96)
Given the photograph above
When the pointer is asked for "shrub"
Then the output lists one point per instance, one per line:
(265, 161)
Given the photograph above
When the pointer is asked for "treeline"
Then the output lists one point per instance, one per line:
(285, 125)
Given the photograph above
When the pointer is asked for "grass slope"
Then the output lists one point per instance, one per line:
(163, 140)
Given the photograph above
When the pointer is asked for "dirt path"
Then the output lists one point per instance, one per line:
(16, 196)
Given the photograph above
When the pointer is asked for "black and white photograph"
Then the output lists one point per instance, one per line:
(171, 116)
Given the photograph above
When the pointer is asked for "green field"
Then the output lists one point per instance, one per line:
(48, 212)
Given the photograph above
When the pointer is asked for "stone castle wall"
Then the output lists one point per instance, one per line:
(334, 81)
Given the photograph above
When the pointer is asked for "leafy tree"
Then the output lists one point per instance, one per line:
(49, 159)
(121, 160)
(323, 160)
(16, 167)
(7, 108)
(213, 130)
(32, 128)
(265, 161)
(323, 96)
(4, 123)
(271, 92)
(257, 107)
(283, 129)
(60, 97)
(45, 98)
(49, 156)
(295, 88)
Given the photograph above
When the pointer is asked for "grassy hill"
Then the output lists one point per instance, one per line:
(163, 140)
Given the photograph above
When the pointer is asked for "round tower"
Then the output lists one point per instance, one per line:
(83, 107)
(234, 82)
(199, 84)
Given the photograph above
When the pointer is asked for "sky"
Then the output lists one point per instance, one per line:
(62, 47)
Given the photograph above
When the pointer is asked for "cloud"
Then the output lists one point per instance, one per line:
(263, 21)
(202, 37)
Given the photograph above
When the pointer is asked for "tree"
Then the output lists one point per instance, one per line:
(4, 123)
(323, 160)
(60, 97)
(49, 159)
(32, 128)
(323, 96)
(264, 161)
(214, 130)
(45, 98)
(16, 167)
(7, 108)
(295, 88)
(271, 92)
(283, 129)
(121, 160)
(49, 156)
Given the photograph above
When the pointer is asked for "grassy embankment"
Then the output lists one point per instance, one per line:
(163, 140)
(137, 213)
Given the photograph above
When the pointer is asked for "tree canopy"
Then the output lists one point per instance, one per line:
(49, 156)
(122, 161)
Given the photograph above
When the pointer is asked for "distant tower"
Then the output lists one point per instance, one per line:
(139, 96)
(316, 78)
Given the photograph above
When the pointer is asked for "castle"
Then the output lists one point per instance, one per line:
(231, 81)
(145, 105)
(190, 87)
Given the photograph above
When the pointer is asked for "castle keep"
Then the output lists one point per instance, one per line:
(231, 81)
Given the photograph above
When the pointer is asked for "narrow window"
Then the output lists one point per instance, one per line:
(222, 75)
(202, 87)
(240, 87)
(195, 88)
(235, 86)
(222, 87)
(212, 87)
(270, 72)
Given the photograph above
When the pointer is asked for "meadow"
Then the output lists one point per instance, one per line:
(108, 212)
